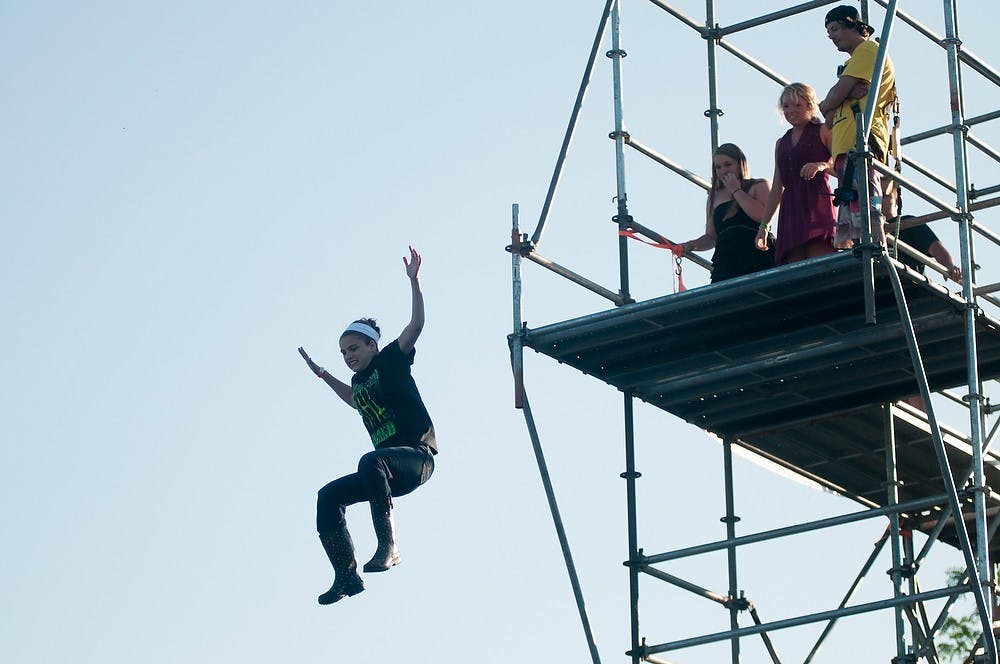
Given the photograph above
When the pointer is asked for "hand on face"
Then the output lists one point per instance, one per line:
(731, 182)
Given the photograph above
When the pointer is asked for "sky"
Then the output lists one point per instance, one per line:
(192, 190)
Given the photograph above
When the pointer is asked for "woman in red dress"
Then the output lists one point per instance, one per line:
(807, 219)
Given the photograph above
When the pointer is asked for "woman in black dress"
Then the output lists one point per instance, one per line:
(732, 216)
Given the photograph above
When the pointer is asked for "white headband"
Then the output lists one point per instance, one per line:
(364, 329)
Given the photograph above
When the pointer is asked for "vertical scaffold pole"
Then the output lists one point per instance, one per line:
(892, 498)
(634, 553)
(866, 248)
(880, 58)
(521, 402)
(516, 348)
(981, 593)
(731, 519)
(713, 111)
(952, 44)
(620, 136)
(863, 162)
(630, 475)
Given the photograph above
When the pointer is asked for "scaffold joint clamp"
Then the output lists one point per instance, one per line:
(740, 603)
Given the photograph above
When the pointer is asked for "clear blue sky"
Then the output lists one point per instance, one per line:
(191, 190)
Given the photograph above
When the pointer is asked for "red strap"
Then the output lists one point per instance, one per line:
(676, 249)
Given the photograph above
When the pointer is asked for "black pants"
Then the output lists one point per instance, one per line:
(382, 474)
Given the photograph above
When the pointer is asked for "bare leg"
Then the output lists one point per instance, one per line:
(818, 247)
(815, 247)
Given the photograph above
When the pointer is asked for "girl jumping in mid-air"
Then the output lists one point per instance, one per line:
(383, 391)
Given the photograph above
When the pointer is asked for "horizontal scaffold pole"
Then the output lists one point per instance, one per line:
(686, 585)
(911, 186)
(965, 55)
(774, 16)
(947, 129)
(807, 619)
(672, 165)
(853, 517)
(927, 172)
(576, 278)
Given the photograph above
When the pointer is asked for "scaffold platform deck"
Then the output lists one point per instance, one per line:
(845, 453)
(784, 363)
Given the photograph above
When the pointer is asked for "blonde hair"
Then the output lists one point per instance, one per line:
(803, 91)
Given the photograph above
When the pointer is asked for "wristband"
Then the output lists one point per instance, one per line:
(320, 371)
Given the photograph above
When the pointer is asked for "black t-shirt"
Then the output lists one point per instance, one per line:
(389, 403)
(920, 238)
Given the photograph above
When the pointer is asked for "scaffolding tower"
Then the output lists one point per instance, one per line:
(841, 339)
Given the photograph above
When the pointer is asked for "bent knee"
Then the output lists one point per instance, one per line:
(369, 463)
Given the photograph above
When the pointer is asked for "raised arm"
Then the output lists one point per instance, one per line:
(342, 389)
(409, 335)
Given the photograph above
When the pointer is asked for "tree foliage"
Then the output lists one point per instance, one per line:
(958, 633)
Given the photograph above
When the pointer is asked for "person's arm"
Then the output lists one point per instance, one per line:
(772, 203)
(707, 240)
(342, 389)
(753, 201)
(840, 92)
(943, 256)
(409, 335)
(826, 138)
(813, 168)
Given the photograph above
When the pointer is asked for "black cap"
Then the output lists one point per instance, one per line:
(850, 18)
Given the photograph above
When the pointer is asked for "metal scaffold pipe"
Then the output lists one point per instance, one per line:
(517, 347)
(984, 598)
(581, 94)
(627, 347)
(619, 135)
(979, 592)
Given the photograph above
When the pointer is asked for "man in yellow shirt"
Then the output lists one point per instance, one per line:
(851, 35)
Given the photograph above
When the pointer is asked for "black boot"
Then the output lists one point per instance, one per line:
(340, 550)
(386, 555)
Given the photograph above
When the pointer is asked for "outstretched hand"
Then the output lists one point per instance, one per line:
(315, 368)
(412, 265)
